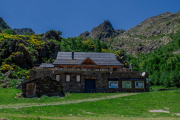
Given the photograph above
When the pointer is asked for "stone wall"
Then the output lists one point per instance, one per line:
(101, 78)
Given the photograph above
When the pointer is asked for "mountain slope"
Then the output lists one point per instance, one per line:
(149, 34)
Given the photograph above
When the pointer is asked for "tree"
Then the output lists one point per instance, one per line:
(64, 46)
(103, 45)
(79, 44)
(97, 46)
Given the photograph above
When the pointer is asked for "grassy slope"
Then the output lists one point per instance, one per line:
(129, 106)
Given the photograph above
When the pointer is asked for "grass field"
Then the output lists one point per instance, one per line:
(133, 107)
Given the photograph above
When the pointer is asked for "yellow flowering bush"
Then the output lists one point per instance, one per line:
(21, 44)
(37, 43)
(6, 67)
(125, 64)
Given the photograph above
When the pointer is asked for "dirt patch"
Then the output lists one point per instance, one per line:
(159, 111)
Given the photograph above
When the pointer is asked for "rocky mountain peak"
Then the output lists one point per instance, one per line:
(102, 31)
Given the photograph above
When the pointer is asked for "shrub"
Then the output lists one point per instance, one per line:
(9, 31)
(6, 67)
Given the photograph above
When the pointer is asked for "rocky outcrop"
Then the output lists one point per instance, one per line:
(25, 31)
(3, 25)
(103, 31)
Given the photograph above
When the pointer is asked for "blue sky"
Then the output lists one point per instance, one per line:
(73, 17)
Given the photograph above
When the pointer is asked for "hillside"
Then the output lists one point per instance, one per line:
(148, 36)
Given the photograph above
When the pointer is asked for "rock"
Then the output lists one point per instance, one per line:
(84, 35)
(9, 74)
(3, 118)
(4, 86)
(118, 32)
(103, 31)
(24, 31)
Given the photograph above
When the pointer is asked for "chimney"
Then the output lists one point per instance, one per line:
(72, 55)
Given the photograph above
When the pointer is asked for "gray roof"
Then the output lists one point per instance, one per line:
(45, 65)
(65, 58)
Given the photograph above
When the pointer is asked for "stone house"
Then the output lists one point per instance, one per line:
(42, 86)
(92, 72)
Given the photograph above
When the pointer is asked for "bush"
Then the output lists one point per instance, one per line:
(9, 31)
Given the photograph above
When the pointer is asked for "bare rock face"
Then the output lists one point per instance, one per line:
(24, 31)
(103, 31)
(84, 35)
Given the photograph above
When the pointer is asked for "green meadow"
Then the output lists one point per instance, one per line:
(102, 105)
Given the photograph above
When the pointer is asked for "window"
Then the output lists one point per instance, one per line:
(113, 84)
(126, 84)
(139, 84)
(78, 78)
(67, 78)
(58, 77)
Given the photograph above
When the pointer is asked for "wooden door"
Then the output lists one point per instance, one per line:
(89, 85)
(30, 90)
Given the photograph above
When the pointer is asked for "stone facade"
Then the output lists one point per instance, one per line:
(102, 80)
(42, 86)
